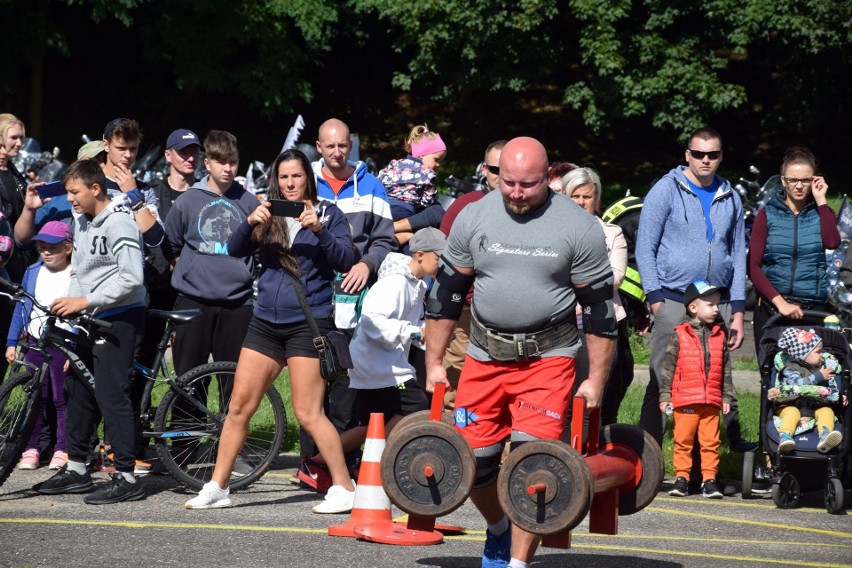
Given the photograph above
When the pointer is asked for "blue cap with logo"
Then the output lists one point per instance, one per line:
(181, 138)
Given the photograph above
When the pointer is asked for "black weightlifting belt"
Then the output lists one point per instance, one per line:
(522, 346)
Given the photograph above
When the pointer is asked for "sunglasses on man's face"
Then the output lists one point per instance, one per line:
(714, 155)
(493, 169)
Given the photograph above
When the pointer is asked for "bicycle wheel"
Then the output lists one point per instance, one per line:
(191, 429)
(20, 400)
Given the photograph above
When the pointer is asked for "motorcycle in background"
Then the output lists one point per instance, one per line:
(37, 165)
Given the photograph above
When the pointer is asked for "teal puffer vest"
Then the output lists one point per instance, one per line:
(794, 259)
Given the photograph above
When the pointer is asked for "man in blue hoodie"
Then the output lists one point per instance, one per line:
(691, 228)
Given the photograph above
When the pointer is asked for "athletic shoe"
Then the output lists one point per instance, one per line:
(710, 489)
(498, 549)
(211, 496)
(314, 474)
(241, 467)
(681, 488)
(786, 444)
(828, 440)
(29, 459)
(337, 500)
(65, 481)
(117, 490)
(143, 468)
(58, 460)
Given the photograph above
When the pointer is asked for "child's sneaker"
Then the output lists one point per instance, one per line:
(314, 474)
(107, 460)
(241, 467)
(143, 468)
(710, 489)
(58, 460)
(498, 549)
(786, 443)
(337, 500)
(29, 459)
(211, 496)
(681, 488)
(827, 440)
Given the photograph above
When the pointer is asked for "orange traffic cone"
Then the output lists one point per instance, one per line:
(372, 505)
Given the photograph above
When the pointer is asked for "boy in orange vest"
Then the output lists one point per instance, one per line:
(695, 384)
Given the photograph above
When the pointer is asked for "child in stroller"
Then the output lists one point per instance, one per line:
(794, 469)
(805, 387)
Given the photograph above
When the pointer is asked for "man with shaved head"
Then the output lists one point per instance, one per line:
(363, 200)
(532, 255)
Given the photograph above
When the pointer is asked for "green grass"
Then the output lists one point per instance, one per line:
(641, 347)
(731, 464)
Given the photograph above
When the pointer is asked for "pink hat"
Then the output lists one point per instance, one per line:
(427, 146)
(54, 232)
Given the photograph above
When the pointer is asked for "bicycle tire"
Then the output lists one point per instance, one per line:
(189, 443)
(20, 401)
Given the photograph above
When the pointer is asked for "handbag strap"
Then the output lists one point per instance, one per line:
(319, 342)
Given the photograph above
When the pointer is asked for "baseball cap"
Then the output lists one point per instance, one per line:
(54, 232)
(90, 150)
(181, 138)
(429, 239)
(699, 289)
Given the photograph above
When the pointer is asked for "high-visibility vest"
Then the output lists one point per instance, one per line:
(620, 211)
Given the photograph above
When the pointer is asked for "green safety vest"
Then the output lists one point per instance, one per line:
(632, 283)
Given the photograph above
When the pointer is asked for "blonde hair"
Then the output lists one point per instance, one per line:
(417, 135)
(7, 121)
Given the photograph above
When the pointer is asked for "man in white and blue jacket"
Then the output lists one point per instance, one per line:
(691, 228)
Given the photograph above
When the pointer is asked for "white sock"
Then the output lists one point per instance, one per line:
(499, 527)
(76, 467)
(128, 476)
(515, 563)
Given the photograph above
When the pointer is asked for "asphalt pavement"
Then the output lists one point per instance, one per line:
(271, 524)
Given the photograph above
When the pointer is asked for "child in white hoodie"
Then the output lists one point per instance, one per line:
(391, 320)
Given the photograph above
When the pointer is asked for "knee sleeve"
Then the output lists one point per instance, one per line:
(487, 464)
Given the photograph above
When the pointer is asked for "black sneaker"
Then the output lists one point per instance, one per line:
(711, 489)
(117, 490)
(681, 488)
(65, 481)
(241, 467)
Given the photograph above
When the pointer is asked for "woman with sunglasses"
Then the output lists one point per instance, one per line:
(786, 257)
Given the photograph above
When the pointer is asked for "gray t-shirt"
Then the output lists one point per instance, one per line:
(526, 265)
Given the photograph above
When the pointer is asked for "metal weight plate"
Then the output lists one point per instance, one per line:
(418, 417)
(427, 468)
(561, 481)
(653, 467)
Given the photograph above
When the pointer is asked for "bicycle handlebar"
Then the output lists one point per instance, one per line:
(17, 293)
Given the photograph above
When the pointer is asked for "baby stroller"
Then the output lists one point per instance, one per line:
(804, 469)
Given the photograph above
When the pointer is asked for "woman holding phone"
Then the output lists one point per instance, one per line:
(310, 247)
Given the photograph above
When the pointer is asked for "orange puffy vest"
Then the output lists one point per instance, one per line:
(692, 382)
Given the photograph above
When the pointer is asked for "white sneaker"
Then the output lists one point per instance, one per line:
(337, 500)
(211, 496)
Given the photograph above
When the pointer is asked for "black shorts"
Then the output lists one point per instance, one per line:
(283, 340)
(402, 400)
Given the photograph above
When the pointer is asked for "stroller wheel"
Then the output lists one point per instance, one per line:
(786, 492)
(748, 474)
(833, 496)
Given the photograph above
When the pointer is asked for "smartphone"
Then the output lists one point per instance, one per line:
(284, 208)
(51, 189)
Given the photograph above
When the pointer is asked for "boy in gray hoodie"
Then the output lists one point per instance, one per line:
(106, 280)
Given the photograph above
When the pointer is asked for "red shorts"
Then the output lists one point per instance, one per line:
(496, 397)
